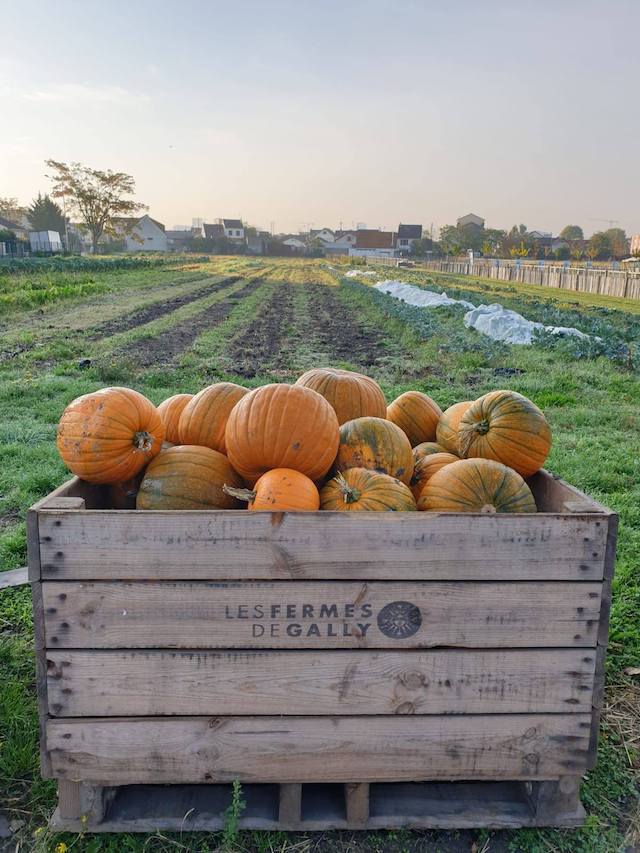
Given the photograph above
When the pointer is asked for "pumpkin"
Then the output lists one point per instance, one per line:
(417, 416)
(375, 444)
(476, 485)
(363, 490)
(110, 435)
(170, 411)
(426, 448)
(188, 477)
(281, 489)
(447, 429)
(426, 467)
(352, 395)
(282, 426)
(204, 418)
(506, 427)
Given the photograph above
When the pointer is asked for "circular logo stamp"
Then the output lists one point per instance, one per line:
(399, 620)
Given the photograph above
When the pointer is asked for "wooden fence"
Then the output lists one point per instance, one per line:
(607, 282)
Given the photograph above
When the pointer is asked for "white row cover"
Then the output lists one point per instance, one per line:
(495, 321)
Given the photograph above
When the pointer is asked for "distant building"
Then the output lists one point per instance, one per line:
(178, 239)
(213, 230)
(371, 242)
(142, 234)
(45, 241)
(407, 235)
(326, 235)
(295, 244)
(258, 244)
(471, 222)
(233, 229)
(18, 229)
(634, 244)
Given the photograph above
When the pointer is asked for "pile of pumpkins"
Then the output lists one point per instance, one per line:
(327, 442)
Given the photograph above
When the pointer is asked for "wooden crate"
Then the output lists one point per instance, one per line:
(351, 670)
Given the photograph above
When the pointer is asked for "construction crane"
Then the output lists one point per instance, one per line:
(610, 222)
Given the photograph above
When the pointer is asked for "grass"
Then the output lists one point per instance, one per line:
(592, 400)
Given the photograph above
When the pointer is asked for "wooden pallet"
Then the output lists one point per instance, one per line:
(372, 670)
(318, 807)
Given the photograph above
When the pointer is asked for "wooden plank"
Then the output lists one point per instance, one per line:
(120, 751)
(157, 683)
(555, 798)
(82, 802)
(14, 577)
(357, 803)
(320, 615)
(290, 804)
(237, 545)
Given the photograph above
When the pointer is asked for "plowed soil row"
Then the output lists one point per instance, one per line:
(258, 345)
(163, 349)
(155, 310)
(336, 329)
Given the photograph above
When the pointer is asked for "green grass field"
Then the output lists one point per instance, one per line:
(182, 325)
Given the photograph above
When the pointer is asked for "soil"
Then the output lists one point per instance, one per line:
(258, 344)
(338, 331)
(163, 349)
(153, 311)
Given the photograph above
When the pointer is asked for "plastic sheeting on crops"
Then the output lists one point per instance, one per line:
(495, 321)
(355, 273)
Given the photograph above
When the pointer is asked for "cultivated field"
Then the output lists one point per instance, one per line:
(168, 327)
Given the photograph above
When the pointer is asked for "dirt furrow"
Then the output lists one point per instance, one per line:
(156, 309)
(170, 343)
(258, 345)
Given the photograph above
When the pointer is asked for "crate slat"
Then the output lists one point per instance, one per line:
(164, 683)
(338, 615)
(236, 545)
(318, 749)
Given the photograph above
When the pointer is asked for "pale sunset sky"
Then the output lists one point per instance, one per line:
(297, 112)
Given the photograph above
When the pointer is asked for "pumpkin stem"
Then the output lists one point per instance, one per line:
(349, 494)
(488, 509)
(241, 494)
(482, 427)
(143, 440)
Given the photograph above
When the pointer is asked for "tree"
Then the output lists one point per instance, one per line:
(10, 209)
(572, 232)
(45, 215)
(98, 197)
(421, 247)
(519, 251)
(618, 242)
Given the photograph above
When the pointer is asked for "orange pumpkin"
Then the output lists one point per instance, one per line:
(352, 395)
(109, 435)
(426, 467)
(282, 426)
(506, 427)
(170, 411)
(204, 418)
(447, 429)
(362, 490)
(375, 444)
(281, 489)
(476, 485)
(188, 477)
(417, 416)
(426, 448)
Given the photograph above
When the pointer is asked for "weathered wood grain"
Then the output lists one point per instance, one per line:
(316, 749)
(337, 615)
(237, 545)
(356, 795)
(14, 577)
(165, 683)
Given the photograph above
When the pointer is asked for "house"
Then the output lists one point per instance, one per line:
(326, 235)
(45, 241)
(634, 244)
(142, 234)
(407, 235)
(213, 230)
(18, 229)
(233, 229)
(372, 242)
(258, 244)
(344, 241)
(179, 239)
(295, 244)
(471, 222)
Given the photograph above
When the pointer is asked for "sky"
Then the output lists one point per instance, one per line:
(297, 114)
